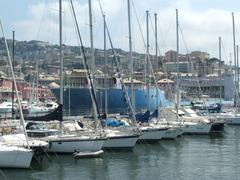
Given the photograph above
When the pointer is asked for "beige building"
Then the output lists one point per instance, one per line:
(199, 55)
(171, 56)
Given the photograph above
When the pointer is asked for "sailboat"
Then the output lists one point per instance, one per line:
(13, 156)
(150, 132)
(119, 138)
(190, 125)
(233, 118)
(71, 142)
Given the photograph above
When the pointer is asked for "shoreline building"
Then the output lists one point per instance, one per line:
(211, 86)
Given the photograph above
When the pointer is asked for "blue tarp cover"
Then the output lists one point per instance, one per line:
(114, 122)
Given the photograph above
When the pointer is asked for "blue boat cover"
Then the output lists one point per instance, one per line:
(143, 117)
(113, 122)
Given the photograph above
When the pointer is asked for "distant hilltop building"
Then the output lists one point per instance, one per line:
(195, 62)
(171, 56)
(198, 55)
(184, 67)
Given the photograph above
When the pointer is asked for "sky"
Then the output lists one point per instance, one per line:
(202, 22)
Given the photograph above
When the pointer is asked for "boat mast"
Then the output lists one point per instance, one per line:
(230, 57)
(13, 46)
(36, 87)
(148, 59)
(177, 85)
(130, 53)
(156, 39)
(105, 66)
(220, 73)
(92, 65)
(156, 49)
(15, 87)
(237, 72)
(69, 98)
(234, 56)
(61, 61)
(88, 74)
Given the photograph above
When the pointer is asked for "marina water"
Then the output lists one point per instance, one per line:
(189, 157)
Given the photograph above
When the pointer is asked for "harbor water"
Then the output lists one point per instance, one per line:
(189, 157)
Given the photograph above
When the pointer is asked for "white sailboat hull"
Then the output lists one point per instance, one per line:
(75, 145)
(151, 134)
(15, 157)
(194, 128)
(171, 133)
(121, 142)
(233, 120)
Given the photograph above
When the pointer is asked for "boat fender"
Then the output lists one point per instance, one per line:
(80, 124)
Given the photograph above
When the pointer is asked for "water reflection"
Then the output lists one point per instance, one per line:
(189, 157)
